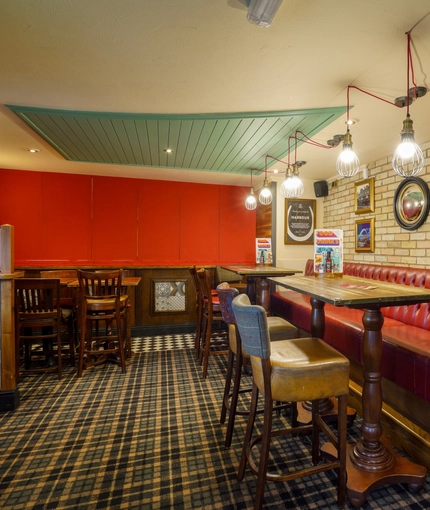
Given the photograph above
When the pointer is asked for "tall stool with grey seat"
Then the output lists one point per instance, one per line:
(279, 329)
(291, 370)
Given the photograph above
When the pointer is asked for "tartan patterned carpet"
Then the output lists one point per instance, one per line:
(149, 439)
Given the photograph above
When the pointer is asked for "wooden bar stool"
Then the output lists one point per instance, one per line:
(291, 370)
(101, 301)
(199, 307)
(214, 336)
(279, 329)
(39, 326)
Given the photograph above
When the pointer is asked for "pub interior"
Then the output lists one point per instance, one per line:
(160, 143)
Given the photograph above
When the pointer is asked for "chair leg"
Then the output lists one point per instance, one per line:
(202, 342)
(122, 349)
(234, 399)
(248, 433)
(315, 432)
(341, 431)
(84, 327)
(224, 404)
(264, 455)
(207, 348)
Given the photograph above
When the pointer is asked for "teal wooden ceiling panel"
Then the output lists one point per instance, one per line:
(231, 143)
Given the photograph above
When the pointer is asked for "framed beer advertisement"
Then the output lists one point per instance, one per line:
(300, 221)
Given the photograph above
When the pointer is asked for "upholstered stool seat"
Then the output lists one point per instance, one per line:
(279, 329)
(293, 370)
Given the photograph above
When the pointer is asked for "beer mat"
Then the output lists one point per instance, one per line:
(352, 286)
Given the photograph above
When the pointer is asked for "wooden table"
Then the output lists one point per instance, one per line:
(263, 272)
(372, 462)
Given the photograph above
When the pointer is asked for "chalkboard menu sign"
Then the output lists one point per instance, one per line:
(300, 221)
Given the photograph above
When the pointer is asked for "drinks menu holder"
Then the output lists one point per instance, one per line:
(328, 253)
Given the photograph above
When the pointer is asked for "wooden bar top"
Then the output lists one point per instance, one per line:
(260, 270)
(355, 292)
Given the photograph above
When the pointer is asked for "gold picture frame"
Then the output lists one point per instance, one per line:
(364, 197)
(365, 235)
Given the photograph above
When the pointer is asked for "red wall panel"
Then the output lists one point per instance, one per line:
(237, 226)
(114, 225)
(66, 217)
(21, 206)
(159, 221)
(199, 229)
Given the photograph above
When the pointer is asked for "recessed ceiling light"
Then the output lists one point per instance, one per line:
(33, 150)
(169, 151)
(351, 122)
(275, 170)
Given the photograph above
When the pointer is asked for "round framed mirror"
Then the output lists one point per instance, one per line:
(411, 203)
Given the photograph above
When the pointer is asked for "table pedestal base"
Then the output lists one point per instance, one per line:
(360, 482)
(304, 415)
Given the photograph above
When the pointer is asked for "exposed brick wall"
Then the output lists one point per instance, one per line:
(393, 245)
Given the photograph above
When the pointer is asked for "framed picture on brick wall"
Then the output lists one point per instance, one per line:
(365, 235)
(364, 199)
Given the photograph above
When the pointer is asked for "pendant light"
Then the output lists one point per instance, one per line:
(262, 12)
(347, 164)
(408, 160)
(292, 187)
(265, 196)
(251, 202)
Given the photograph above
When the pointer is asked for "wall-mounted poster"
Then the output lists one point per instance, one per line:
(300, 221)
(328, 252)
(264, 250)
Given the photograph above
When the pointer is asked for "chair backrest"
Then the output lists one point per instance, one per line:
(67, 294)
(193, 273)
(205, 287)
(251, 320)
(37, 297)
(226, 294)
(100, 284)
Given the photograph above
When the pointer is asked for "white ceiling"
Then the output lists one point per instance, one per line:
(203, 56)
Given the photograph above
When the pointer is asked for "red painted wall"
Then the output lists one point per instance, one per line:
(69, 220)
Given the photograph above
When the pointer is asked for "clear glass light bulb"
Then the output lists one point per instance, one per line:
(347, 164)
(408, 160)
(292, 187)
(251, 202)
(265, 196)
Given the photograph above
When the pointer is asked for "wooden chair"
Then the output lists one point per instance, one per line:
(68, 296)
(214, 336)
(125, 301)
(101, 304)
(199, 307)
(39, 326)
(279, 329)
(291, 371)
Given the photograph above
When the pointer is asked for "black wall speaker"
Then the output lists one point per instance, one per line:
(321, 188)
